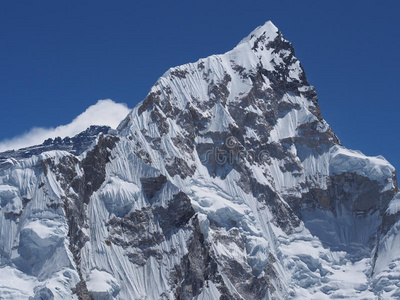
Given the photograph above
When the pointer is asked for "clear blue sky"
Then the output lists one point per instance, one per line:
(59, 57)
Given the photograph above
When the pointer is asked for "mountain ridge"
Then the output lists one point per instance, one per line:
(225, 182)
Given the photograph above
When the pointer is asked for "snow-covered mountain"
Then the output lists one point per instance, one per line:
(225, 182)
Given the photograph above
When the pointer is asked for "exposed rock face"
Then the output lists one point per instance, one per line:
(224, 183)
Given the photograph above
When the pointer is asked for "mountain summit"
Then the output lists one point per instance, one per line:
(225, 182)
(268, 30)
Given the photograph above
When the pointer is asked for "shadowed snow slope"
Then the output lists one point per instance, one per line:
(225, 181)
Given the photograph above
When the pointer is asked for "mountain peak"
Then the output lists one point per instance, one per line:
(225, 181)
(268, 30)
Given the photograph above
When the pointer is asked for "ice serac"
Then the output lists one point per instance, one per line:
(225, 182)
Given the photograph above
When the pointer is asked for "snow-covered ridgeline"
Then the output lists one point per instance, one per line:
(225, 180)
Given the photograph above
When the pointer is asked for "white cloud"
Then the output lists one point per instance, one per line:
(104, 112)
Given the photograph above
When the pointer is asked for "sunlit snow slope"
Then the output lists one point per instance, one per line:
(224, 183)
